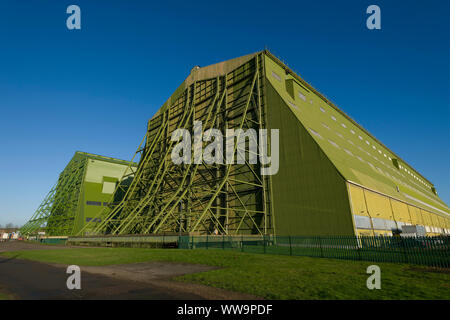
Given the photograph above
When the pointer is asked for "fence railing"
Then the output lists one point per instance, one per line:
(133, 241)
(430, 251)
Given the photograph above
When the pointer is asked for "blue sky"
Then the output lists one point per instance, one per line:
(94, 89)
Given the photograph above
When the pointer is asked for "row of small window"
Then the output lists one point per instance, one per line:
(413, 182)
(373, 146)
(303, 97)
(394, 178)
(424, 186)
(360, 158)
(97, 203)
(351, 142)
(363, 222)
(413, 175)
(360, 137)
(398, 181)
(346, 150)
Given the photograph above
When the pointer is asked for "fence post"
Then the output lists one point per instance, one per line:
(290, 246)
(441, 253)
(321, 248)
(320, 244)
(358, 248)
(434, 258)
(264, 243)
(404, 244)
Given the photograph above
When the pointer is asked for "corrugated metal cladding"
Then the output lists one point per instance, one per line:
(309, 194)
(377, 214)
(84, 189)
(93, 194)
(335, 177)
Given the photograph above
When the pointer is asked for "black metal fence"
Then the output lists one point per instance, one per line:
(429, 251)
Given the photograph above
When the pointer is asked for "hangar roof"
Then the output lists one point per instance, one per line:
(359, 157)
(357, 154)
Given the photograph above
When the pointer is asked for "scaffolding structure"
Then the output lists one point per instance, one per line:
(198, 197)
(58, 211)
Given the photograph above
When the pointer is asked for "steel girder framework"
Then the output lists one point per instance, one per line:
(57, 214)
(198, 198)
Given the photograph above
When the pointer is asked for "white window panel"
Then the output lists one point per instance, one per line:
(315, 133)
(294, 106)
(108, 187)
(301, 96)
(276, 76)
(362, 222)
(333, 143)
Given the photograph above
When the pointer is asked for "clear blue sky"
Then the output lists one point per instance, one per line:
(94, 90)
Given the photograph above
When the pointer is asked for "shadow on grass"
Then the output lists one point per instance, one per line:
(5, 260)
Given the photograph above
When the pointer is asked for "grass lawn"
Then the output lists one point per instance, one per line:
(269, 276)
(4, 296)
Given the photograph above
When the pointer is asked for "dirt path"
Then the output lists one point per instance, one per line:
(33, 280)
(160, 274)
(25, 279)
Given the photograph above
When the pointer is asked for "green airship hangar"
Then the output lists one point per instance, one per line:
(334, 177)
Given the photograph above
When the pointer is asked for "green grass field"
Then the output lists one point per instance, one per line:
(3, 296)
(269, 276)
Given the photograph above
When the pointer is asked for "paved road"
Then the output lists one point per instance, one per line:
(33, 280)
